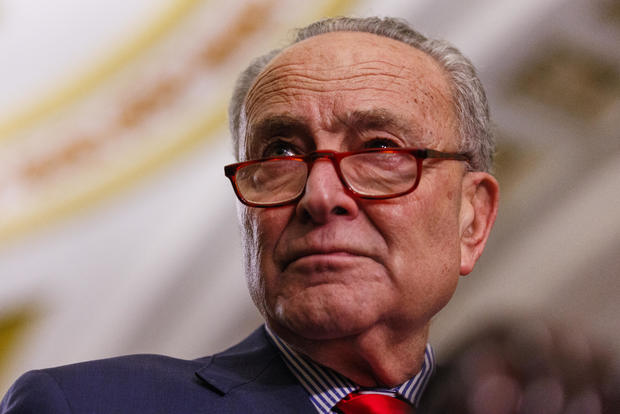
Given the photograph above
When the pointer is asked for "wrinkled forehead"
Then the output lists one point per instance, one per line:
(350, 69)
(338, 48)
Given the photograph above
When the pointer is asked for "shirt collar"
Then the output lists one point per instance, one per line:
(327, 387)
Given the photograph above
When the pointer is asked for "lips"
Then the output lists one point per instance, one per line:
(334, 251)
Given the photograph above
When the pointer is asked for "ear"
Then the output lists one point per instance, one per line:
(480, 198)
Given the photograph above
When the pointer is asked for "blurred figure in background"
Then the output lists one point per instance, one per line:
(527, 366)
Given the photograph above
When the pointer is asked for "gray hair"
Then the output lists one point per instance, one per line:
(470, 101)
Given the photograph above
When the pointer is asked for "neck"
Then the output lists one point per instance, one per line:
(376, 357)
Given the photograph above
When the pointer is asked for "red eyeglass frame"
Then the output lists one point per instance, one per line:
(335, 157)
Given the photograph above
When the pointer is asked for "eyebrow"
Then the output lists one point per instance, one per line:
(374, 119)
(277, 124)
(274, 125)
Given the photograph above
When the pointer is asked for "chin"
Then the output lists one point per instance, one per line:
(324, 319)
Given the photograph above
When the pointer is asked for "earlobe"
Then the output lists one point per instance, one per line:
(480, 198)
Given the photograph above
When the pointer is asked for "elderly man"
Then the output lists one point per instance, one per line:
(364, 152)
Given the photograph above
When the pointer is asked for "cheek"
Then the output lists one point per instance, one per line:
(249, 247)
(428, 264)
(417, 225)
(262, 228)
(269, 226)
(422, 237)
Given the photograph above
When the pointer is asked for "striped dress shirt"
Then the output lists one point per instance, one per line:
(326, 387)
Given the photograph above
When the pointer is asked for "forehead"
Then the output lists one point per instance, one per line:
(323, 80)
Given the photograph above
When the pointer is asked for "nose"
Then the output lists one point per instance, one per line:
(325, 196)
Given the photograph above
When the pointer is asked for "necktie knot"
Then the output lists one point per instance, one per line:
(358, 403)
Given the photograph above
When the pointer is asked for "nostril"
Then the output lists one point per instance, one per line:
(339, 211)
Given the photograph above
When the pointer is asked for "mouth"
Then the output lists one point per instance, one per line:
(309, 256)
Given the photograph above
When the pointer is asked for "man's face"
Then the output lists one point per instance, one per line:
(332, 265)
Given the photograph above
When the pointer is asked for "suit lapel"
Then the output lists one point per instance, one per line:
(254, 371)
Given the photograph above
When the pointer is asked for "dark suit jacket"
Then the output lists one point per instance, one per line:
(250, 377)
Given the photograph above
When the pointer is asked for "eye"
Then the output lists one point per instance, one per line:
(280, 148)
(381, 143)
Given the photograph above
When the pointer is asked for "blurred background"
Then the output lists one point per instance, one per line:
(118, 228)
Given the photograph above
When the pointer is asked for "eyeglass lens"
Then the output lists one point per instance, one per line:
(272, 181)
(379, 173)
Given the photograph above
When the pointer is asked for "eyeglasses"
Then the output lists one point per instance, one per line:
(376, 173)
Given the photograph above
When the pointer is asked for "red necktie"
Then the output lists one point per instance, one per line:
(356, 403)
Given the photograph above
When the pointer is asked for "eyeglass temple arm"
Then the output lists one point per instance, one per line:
(429, 153)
